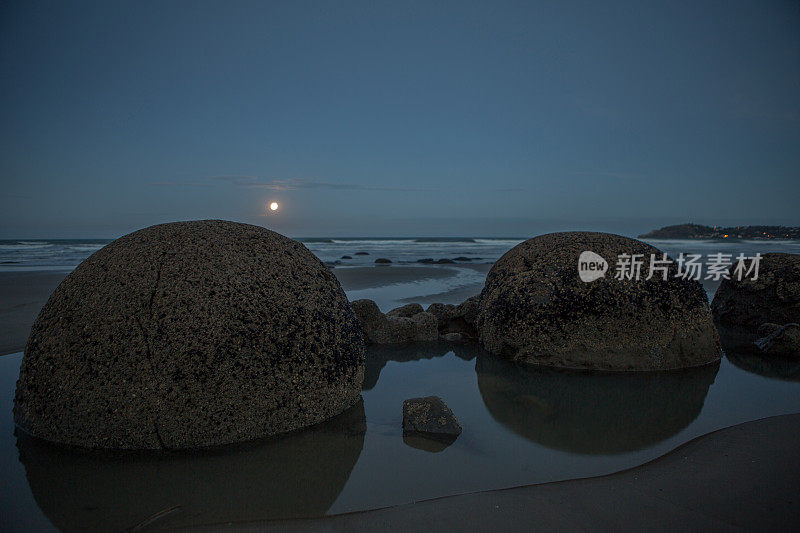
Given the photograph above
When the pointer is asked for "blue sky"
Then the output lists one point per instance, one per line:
(398, 118)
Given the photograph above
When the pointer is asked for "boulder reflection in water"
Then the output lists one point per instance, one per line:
(297, 475)
(592, 413)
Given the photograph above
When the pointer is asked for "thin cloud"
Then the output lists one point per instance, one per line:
(618, 175)
(296, 184)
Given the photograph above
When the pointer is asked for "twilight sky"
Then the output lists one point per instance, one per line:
(398, 118)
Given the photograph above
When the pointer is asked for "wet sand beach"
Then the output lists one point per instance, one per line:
(741, 477)
(22, 295)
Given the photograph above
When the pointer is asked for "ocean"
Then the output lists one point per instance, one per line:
(66, 254)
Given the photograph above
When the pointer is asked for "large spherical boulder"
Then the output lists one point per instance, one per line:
(774, 296)
(536, 308)
(190, 334)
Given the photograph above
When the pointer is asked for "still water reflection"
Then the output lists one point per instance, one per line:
(589, 412)
(520, 425)
(300, 474)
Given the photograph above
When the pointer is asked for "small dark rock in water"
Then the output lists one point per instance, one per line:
(346, 257)
(445, 261)
(407, 310)
(462, 258)
(773, 297)
(427, 260)
(535, 308)
(382, 261)
(361, 253)
(333, 263)
(190, 334)
(452, 337)
(429, 416)
(783, 341)
(427, 329)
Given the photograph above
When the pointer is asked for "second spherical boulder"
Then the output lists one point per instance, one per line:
(536, 308)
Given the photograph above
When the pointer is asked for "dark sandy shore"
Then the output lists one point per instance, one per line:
(746, 477)
(22, 294)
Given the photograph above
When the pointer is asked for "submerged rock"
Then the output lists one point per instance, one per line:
(190, 334)
(361, 253)
(346, 257)
(535, 308)
(783, 341)
(445, 261)
(430, 417)
(773, 297)
(382, 261)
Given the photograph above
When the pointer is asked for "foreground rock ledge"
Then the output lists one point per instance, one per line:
(190, 334)
(534, 308)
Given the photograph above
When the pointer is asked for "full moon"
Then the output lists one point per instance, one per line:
(273, 206)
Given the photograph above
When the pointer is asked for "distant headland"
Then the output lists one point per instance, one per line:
(698, 231)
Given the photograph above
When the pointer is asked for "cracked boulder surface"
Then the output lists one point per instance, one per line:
(190, 334)
(535, 309)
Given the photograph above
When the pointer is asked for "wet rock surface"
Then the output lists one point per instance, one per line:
(772, 297)
(426, 327)
(534, 308)
(407, 310)
(410, 323)
(190, 334)
(429, 417)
